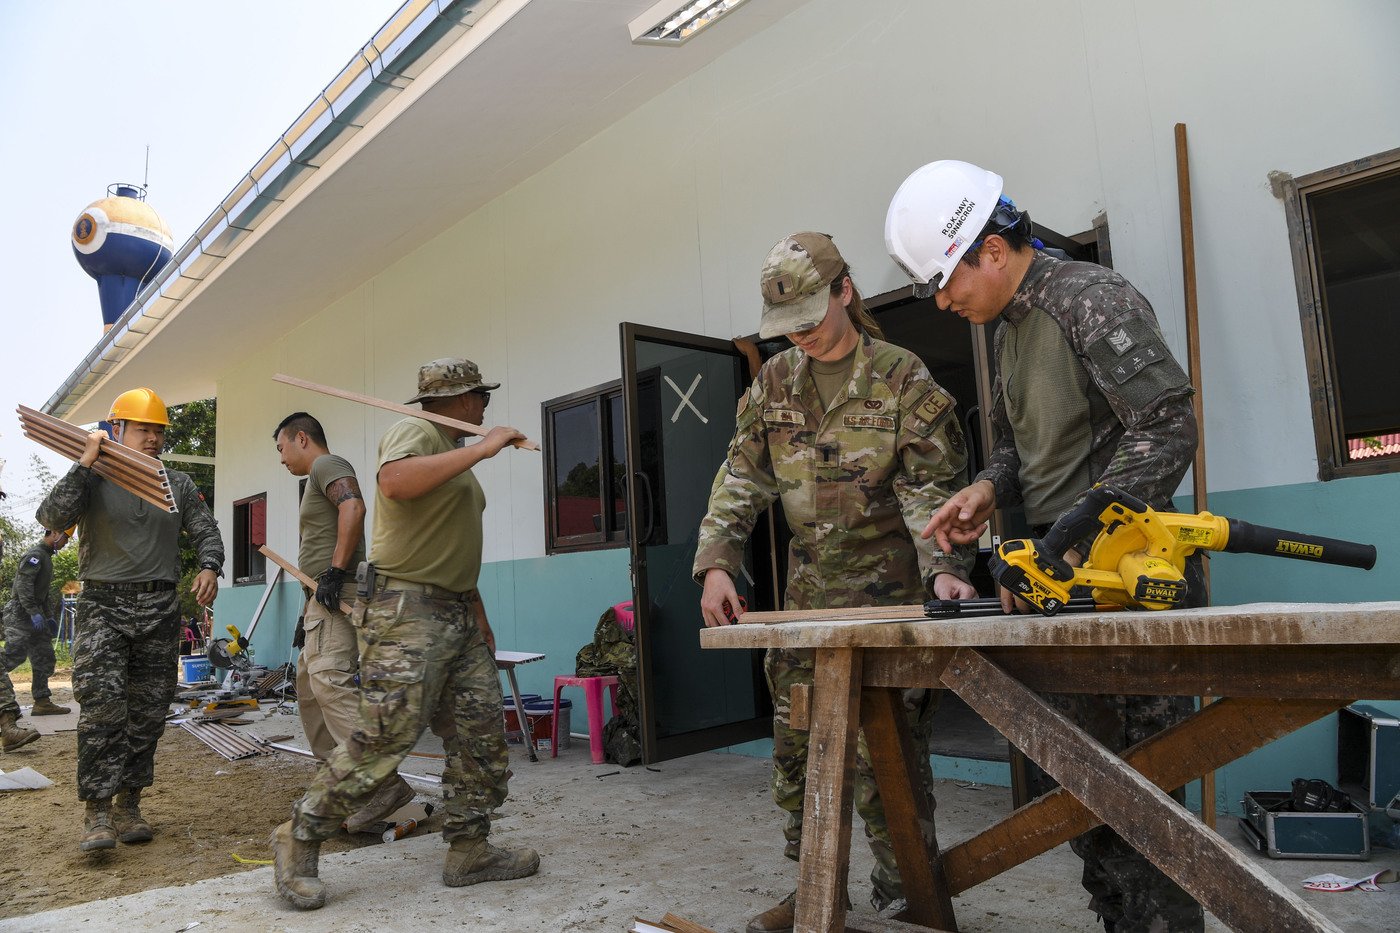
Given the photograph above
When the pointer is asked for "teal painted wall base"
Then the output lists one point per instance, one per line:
(1356, 509)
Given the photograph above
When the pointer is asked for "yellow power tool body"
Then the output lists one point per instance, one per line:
(1138, 556)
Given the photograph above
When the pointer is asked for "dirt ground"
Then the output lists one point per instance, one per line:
(203, 808)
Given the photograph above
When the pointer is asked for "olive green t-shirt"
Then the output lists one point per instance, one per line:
(435, 538)
(320, 517)
(1048, 396)
(831, 376)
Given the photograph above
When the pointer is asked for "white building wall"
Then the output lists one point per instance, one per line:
(664, 217)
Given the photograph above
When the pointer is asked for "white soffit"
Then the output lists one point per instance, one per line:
(522, 85)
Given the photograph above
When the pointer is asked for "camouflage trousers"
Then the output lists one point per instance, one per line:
(1130, 893)
(23, 640)
(786, 668)
(124, 671)
(423, 662)
(8, 704)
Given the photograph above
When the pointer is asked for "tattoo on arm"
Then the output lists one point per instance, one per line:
(343, 490)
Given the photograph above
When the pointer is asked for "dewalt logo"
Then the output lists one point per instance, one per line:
(1298, 549)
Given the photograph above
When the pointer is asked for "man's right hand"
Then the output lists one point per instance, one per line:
(37, 620)
(964, 517)
(91, 447)
(498, 438)
(719, 589)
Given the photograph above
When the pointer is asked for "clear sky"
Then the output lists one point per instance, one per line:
(85, 86)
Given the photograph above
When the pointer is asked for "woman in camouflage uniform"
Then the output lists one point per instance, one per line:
(861, 446)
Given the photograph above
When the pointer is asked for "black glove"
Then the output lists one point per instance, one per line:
(52, 627)
(328, 586)
(299, 637)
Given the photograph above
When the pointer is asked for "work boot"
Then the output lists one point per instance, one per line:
(391, 795)
(295, 869)
(130, 825)
(98, 833)
(47, 707)
(472, 861)
(776, 919)
(780, 917)
(12, 734)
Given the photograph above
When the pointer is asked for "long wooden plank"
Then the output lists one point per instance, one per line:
(110, 453)
(1228, 670)
(295, 571)
(151, 490)
(106, 465)
(1252, 624)
(831, 765)
(370, 400)
(1242, 895)
(1217, 735)
(1193, 369)
(907, 811)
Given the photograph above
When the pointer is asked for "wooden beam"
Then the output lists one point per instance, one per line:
(1218, 734)
(907, 811)
(800, 707)
(370, 400)
(831, 765)
(295, 571)
(1243, 896)
(1278, 671)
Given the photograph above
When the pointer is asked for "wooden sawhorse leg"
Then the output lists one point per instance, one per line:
(1243, 896)
(907, 812)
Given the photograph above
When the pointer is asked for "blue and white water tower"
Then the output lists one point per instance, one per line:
(122, 243)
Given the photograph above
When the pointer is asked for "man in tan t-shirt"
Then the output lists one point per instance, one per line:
(332, 532)
(428, 652)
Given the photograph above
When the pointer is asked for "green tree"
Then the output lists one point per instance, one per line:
(191, 432)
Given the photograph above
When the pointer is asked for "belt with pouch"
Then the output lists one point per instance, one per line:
(141, 586)
(385, 584)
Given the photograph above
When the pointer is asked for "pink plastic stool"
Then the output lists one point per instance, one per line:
(593, 696)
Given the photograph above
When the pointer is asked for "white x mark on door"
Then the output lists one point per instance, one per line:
(685, 399)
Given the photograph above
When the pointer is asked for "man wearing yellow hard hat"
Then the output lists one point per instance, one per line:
(128, 616)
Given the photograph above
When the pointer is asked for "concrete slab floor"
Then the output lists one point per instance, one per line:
(698, 837)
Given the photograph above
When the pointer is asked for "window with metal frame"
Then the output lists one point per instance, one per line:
(249, 534)
(585, 496)
(1344, 230)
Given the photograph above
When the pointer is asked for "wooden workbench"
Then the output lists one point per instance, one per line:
(1280, 666)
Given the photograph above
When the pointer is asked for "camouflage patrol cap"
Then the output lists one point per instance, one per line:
(445, 378)
(795, 283)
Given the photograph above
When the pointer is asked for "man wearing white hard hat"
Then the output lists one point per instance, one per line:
(1086, 392)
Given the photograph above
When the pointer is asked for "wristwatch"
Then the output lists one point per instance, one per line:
(210, 565)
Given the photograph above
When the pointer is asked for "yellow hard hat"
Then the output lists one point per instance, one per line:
(139, 405)
(72, 531)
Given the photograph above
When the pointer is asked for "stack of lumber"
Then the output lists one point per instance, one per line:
(132, 470)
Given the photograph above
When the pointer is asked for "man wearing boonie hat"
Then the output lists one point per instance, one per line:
(861, 446)
(428, 654)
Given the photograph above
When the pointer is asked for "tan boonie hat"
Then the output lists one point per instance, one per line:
(445, 378)
(796, 278)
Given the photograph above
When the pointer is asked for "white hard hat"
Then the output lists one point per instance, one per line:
(935, 216)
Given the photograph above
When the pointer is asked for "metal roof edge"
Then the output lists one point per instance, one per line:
(410, 41)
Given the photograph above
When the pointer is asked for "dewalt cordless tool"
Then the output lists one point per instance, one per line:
(1138, 556)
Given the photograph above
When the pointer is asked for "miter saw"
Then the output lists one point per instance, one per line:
(233, 656)
(1138, 556)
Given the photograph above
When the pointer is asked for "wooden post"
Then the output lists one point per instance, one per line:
(831, 766)
(1193, 368)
